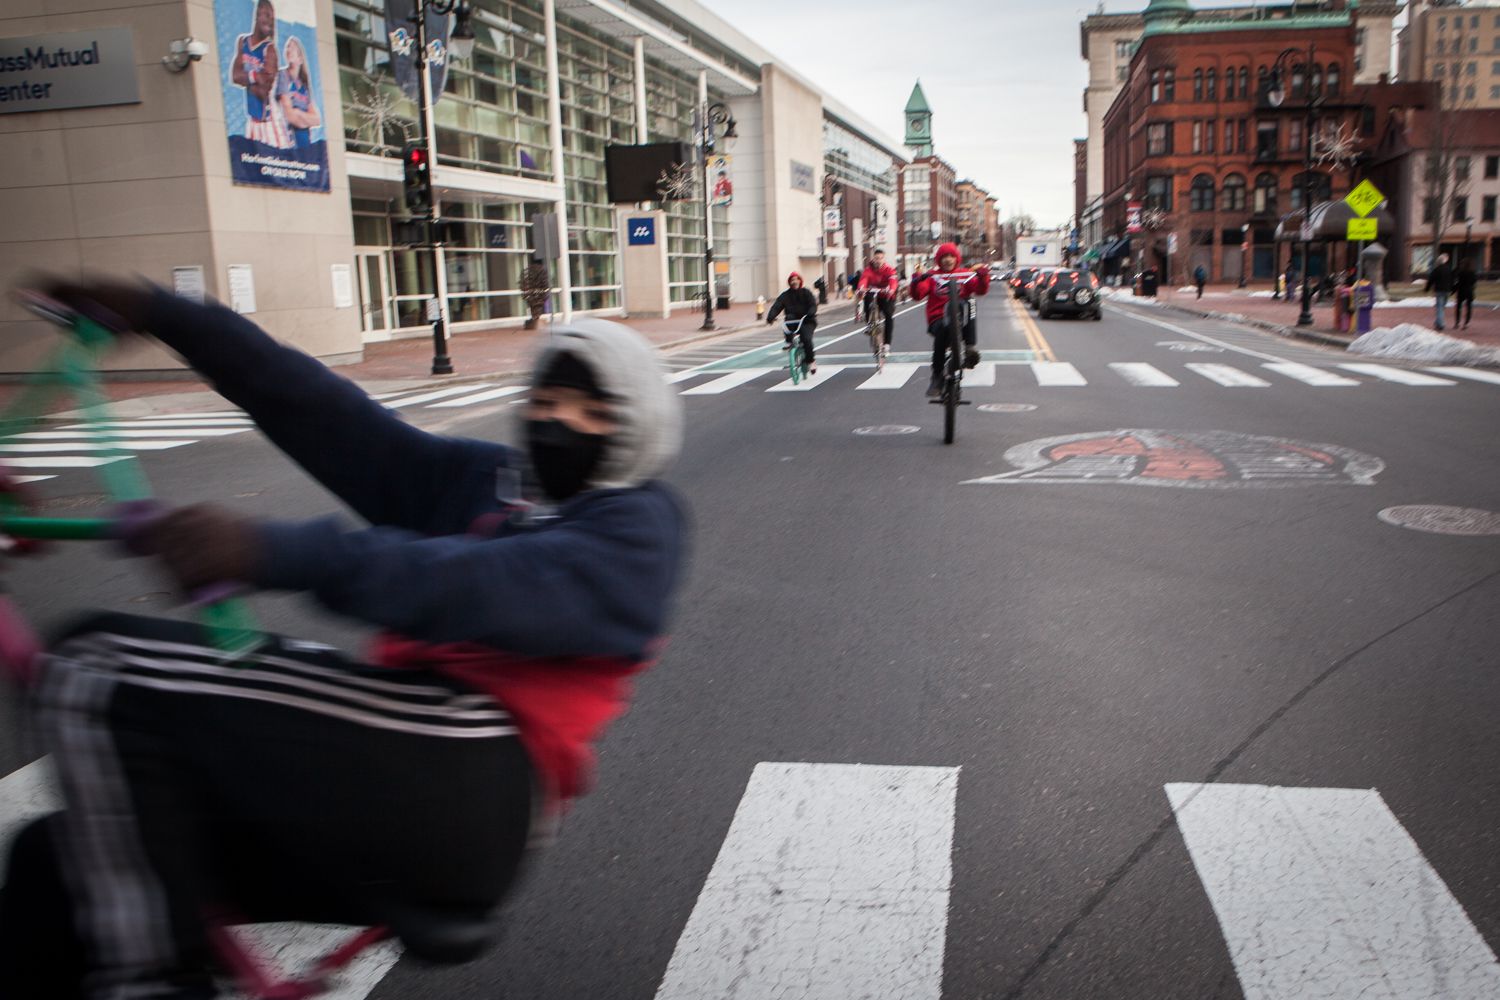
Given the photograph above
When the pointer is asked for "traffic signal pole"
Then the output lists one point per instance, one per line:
(441, 363)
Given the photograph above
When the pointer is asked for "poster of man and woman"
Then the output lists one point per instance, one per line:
(268, 65)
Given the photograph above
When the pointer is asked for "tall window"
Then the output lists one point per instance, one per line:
(1156, 86)
(1294, 135)
(1198, 137)
(1169, 84)
(1333, 80)
(1488, 214)
(1461, 167)
(1460, 209)
(1233, 198)
(1229, 84)
(1299, 82)
(1211, 86)
(1159, 193)
(1158, 139)
(1265, 194)
(1229, 137)
(1266, 140)
(1244, 82)
(1197, 85)
(1491, 167)
(1201, 194)
(1210, 129)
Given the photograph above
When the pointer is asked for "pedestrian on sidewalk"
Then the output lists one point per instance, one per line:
(1464, 283)
(798, 303)
(1200, 278)
(1292, 273)
(1440, 284)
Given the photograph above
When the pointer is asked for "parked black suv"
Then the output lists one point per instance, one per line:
(1070, 293)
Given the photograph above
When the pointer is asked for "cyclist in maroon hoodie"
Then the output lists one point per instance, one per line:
(877, 289)
(925, 285)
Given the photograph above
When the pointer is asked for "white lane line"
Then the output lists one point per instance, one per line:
(1401, 376)
(62, 462)
(93, 446)
(1318, 377)
(1323, 895)
(428, 397)
(1228, 375)
(31, 792)
(1203, 337)
(894, 376)
(726, 382)
(809, 382)
(133, 434)
(683, 376)
(833, 882)
(1477, 374)
(157, 424)
(981, 375)
(480, 397)
(1146, 376)
(1056, 374)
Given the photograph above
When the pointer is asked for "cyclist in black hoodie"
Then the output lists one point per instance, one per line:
(798, 303)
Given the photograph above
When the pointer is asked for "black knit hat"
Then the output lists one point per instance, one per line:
(568, 371)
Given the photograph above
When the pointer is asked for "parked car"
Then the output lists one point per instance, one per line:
(1034, 293)
(1020, 281)
(1070, 293)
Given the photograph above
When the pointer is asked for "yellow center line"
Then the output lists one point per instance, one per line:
(1039, 345)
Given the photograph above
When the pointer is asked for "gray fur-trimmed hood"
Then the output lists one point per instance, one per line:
(630, 370)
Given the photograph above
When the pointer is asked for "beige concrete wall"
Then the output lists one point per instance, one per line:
(143, 188)
(793, 129)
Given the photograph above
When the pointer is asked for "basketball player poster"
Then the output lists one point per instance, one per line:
(273, 107)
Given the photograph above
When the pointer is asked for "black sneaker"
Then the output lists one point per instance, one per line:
(934, 387)
(971, 357)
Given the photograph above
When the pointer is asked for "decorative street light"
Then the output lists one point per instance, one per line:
(1277, 96)
(714, 122)
(1244, 254)
(460, 46)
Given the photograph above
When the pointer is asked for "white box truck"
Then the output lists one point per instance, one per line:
(1039, 251)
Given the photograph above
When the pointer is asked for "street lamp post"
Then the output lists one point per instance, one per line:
(1277, 97)
(461, 46)
(1244, 254)
(711, 118)
(1468, 235)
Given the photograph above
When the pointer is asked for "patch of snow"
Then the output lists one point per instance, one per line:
(1264, 294)
(1188, 290)
(1411, 342)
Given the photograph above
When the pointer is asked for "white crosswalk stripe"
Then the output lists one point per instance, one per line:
(1309, 375)
(135, 433)
(92, 446)
(401, 402)
(1475, 374)
(1228, 376)
(1401, 376)
(61, 462)
(479, 397)
(1050, 374)
(980, 376)
(160, 422)
(808, 382)
(894, 377)
(1146, 376)
(726, 382)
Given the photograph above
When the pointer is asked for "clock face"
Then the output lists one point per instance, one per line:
(918, 125)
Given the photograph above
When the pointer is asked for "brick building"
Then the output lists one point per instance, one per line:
(1080, 178)
(978, 222)
(1194, 146)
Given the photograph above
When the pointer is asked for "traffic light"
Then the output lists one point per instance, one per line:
(418, 178)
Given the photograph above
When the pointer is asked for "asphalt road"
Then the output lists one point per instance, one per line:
(1192, 587)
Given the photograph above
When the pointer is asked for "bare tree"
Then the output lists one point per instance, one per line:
(1445, 173)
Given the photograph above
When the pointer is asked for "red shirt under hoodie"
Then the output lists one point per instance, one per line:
(924, 287)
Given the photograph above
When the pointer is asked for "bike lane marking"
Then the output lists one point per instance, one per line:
(833, 881)
(1321, 894)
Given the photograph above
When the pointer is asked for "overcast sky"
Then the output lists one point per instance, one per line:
(1005, 79)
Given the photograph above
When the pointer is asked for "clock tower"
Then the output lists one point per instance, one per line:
(918, 123)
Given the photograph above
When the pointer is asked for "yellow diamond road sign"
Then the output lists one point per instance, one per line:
(1365, 198)
(1363, 229)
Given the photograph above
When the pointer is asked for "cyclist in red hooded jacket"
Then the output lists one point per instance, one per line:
(925, 285)
(877, 289)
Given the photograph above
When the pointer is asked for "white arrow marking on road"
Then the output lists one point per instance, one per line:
(809, 382)
(1400, 376)
(1478, 375)
(1056, 374)
(981, 375)
(1146, 376)
(31, 792)
(726, 382)
(94, 446)
(894, 376)
(134, 433)
(1307, 373)
(1228, 375)
(832, 882)
(1323, 895)
(480, 397)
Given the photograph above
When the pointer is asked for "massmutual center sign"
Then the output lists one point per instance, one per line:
(73, 69)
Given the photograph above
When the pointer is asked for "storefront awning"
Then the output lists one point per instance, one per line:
(1330, 221)
(1117, 248)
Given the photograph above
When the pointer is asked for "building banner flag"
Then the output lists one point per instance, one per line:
(268, 70)
(719, 170)
(400, 22)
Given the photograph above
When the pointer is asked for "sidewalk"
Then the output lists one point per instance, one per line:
(1256, 307)
(406, 365)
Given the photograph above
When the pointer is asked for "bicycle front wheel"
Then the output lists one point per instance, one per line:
(794, 359)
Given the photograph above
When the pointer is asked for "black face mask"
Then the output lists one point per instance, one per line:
(564, 459)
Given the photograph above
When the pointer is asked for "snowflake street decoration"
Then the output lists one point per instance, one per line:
(402, 42)
(677, 183)
(1336, 147)
(375, 111)
(1154, 218)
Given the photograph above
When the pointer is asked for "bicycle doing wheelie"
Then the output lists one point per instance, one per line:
(956, 313)
(435, 934)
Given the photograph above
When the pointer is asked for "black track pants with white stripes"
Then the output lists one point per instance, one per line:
(290, 784)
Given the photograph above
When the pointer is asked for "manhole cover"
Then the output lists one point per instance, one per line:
(1188, 346)
(886, 430)
(1006, 407)
(1443, 520)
